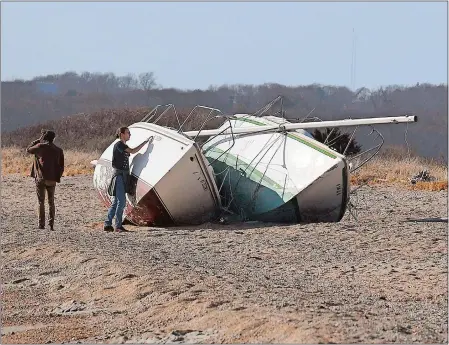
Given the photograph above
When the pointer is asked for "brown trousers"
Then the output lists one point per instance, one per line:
(43, 186)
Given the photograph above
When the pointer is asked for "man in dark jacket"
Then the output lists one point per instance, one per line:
(47, 170)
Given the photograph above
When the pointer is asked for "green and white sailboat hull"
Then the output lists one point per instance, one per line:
(278, 176)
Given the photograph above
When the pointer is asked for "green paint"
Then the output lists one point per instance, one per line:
(254, 122)
(308, 143)
(292, 136)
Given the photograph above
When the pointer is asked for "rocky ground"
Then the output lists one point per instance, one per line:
(380, 279)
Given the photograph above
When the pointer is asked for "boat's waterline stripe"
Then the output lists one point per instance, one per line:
(292, 136)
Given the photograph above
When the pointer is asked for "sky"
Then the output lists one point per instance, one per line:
(198, 44)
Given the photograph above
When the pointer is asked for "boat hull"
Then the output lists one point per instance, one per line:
(171, 182)
(278, 177)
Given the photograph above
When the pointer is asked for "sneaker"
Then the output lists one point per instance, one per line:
(41, 227)
(121, 229)
(108, 228)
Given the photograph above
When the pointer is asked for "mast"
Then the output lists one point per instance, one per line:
(294, 126)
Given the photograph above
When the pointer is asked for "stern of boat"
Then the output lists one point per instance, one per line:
(325, 200)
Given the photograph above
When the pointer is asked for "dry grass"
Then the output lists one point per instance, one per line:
(16, 161)
(399, 171)
(381, 170)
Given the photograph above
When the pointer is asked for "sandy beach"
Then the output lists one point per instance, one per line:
(380, 279)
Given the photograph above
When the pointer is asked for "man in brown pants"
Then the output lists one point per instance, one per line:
(47, 169)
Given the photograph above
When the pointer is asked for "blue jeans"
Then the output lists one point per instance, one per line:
(118, 204)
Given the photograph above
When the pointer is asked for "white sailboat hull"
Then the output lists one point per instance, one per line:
(173, 184)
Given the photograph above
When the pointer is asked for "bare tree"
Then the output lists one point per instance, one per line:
(128, 81)
(147, 82)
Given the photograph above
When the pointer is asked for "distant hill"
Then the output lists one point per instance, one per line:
(85, 109)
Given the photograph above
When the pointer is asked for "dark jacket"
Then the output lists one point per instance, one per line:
(48, 161)
(130, 183)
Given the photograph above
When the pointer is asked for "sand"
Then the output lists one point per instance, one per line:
(380, 279)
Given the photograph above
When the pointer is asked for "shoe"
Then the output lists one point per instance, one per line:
(108, 228)
(121, 229)
(42, 227)
(52, 228)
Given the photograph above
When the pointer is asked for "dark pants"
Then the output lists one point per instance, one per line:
(43, 186)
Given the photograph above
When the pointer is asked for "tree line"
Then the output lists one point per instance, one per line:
(52, 97)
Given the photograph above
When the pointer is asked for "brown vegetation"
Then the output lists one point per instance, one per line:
(94, 132)
(395, 165)
(385, 169)
(16, 160)
(389, 171)
(25, 103)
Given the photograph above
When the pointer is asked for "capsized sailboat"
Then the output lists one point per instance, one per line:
(173, 183)
(268, 169)
(277, 176)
